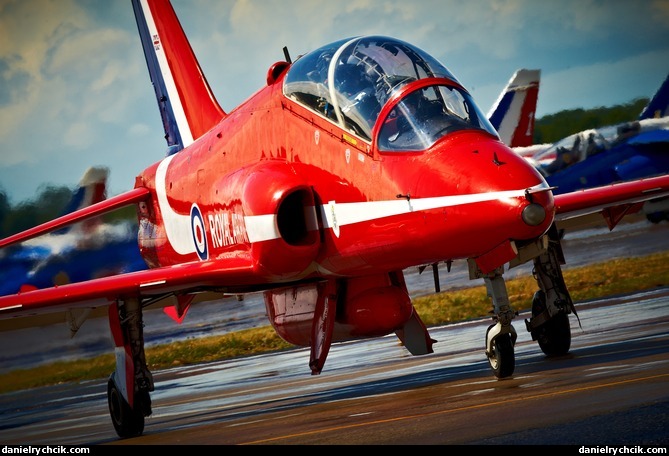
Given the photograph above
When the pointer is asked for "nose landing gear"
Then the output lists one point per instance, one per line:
(551, 306)
(501, 336)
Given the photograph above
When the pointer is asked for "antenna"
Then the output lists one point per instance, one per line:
(286, 54)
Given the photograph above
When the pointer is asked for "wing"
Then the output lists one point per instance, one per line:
(102, 207)
(18, 266)
(612, 202)
(159, 285)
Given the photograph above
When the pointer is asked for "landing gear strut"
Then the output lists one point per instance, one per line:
(552, 303)
(129, 386)
(501, 336)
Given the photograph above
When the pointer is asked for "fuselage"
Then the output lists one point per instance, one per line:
(341, 200)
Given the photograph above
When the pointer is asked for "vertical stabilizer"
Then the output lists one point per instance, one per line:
(92, 189)
(658, 106)
(187, 105)
(513, 113)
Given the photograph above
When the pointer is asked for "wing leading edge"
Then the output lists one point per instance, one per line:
(110, 204)
(153, 283)
(612, 202)
(150, 284)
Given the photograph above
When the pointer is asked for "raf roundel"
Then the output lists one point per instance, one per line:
(198, 232)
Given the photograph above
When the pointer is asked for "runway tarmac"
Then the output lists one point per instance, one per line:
(611, 389)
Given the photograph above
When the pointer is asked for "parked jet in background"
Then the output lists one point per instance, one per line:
(85, 250)
(360, 159)
(617, 153)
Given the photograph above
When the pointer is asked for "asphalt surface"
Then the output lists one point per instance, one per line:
(611, 389)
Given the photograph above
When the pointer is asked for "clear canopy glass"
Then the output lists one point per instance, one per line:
(350, 81)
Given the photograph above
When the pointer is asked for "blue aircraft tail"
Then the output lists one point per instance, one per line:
(513, 113)
(658, 106)
(92, 189)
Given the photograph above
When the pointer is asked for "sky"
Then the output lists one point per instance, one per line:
(75, 90)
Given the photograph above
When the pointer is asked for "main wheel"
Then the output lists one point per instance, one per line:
(554, 336)
(127, 422)
(655, 217)
(502, 359)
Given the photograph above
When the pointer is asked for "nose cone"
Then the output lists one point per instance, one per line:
(498, 195)
(487, 166)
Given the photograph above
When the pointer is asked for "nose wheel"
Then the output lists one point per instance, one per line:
(501, 336)
(500, 353)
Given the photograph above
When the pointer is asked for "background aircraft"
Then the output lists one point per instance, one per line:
(356, 161)
(616, 153)
(513, 114)
(658, 106)
(79, 252)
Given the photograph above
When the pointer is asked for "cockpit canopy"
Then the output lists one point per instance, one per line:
(350, 81)
(570, 150)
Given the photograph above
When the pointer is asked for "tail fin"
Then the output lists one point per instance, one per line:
(92, 189)
(187, 105)
(512, 115)
(658, 106)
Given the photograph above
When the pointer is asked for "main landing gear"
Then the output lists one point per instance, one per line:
(551, 306)
(129, 386)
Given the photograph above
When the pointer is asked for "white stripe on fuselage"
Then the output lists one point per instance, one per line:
(335, 215)
(177, 226)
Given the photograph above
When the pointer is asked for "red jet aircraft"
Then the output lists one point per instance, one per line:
(356, 161)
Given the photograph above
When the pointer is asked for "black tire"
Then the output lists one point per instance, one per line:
(503, 359)
(127, 422)
(656, 217)
(554, 336)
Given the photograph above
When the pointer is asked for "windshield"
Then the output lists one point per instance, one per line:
(425, 115)
(349, 81)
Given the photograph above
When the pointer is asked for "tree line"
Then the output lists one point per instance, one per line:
(50, 203)
(548, 129)
(553, 127)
